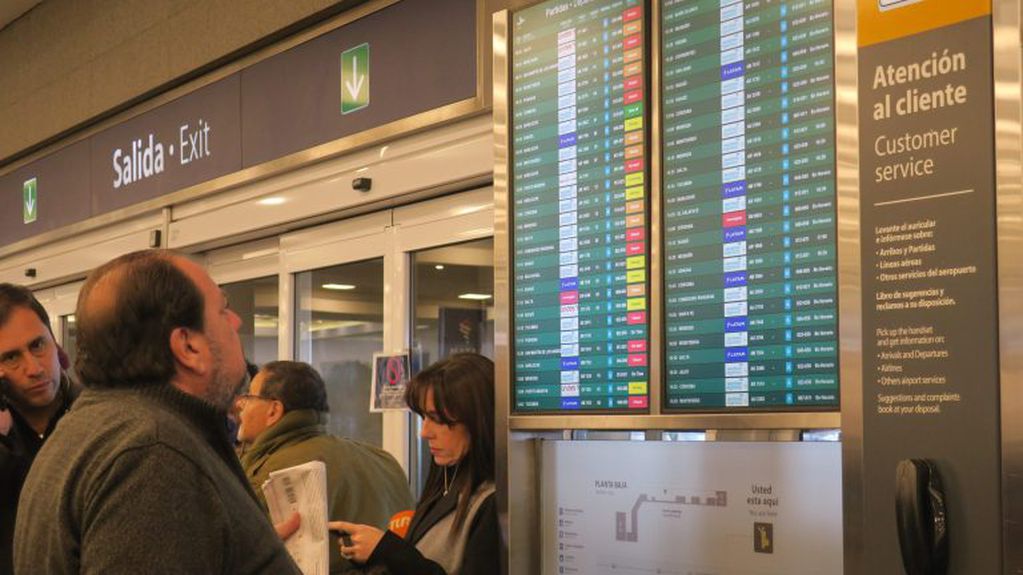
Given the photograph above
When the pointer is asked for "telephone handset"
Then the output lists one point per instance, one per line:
(921, 518)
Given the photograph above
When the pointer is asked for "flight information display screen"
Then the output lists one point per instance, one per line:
(580, 207)
(750, 272)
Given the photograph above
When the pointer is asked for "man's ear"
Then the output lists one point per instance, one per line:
(188, 346)
(274, 413)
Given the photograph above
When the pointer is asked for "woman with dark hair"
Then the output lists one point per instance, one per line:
(454, 529)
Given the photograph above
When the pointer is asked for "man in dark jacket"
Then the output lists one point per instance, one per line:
(34, 394)
(282, 418)
(140, 476)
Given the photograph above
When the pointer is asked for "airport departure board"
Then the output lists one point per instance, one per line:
(580, 207)
(750, 271)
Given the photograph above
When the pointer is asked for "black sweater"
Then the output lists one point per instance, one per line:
(482, 549)
(17, 450)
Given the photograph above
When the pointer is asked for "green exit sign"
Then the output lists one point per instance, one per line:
(29, 201)
(355, 79)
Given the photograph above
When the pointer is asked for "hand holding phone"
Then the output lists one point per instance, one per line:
(357, 541)
(344, 536)
(345, 540)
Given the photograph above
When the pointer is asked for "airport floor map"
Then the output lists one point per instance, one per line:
(693, 508)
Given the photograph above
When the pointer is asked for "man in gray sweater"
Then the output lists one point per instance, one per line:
(140, 476)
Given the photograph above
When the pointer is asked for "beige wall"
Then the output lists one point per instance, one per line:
(68, 61)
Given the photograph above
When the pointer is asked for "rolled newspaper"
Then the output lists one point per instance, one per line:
(302, 488)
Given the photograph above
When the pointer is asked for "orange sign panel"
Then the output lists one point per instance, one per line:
(883, 20)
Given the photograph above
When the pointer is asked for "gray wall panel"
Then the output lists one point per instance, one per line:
(68, 61)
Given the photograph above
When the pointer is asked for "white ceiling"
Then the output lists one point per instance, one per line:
(10, 10)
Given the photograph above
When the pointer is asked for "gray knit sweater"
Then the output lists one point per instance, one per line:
(142, 481)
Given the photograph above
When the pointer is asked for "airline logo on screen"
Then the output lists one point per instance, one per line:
(885, 5)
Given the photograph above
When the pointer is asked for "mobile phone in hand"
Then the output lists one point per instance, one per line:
(346, 538)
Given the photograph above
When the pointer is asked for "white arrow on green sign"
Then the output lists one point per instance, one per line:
(29, 204)
(355, 78)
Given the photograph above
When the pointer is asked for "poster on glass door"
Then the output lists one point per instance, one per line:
(391, 373)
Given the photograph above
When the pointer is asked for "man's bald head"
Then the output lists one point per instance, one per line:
(126, 312)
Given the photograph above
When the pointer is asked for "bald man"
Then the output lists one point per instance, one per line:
(141, 476)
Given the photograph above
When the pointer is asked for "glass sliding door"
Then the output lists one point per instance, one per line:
(340, 325)
(448, 247)
(453, 300)
(256, 302)
(338, 289)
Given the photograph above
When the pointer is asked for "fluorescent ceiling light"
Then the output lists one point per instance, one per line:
(438, 267)
(475, 296)
(329, 324)
(338, 287)
(259, 253)
(271, 201)
(261, 321)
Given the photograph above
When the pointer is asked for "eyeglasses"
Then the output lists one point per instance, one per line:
(15, 359)
(244, 398)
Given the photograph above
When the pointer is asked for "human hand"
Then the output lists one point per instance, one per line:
(363, 539)
(5, 421)
(288, 527)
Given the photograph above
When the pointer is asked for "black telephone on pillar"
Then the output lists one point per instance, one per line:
(921, 517)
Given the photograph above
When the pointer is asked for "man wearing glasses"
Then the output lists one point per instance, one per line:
(34, 394)
(281, 420)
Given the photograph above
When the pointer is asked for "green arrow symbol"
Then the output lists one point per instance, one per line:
(355, 78)
(354, 89)
(29, 195)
